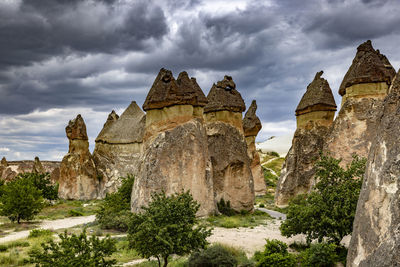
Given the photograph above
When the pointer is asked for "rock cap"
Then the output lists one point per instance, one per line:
(76, 129)
(251, 123)
(224, 96)
(368, 66)
(318, 93)
(166, 91)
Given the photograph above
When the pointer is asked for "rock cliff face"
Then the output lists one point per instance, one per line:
(376, 230)
(314, 116)
(232, 176)
(363, 89)
(6, 173)
(118, 147)
(251, 126)
(175, 153)
(78, 176)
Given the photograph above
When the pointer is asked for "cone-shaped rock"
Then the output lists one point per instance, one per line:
(4, 162)
(363, 89)
(37, 166)
(376, 238)
(78, 176)
(175, 150)
(251, 127)
(118, 147)
(232, 176)
(314, 116)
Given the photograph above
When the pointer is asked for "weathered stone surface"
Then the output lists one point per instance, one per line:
(37, 166)
(176, 160)
(78, 176)
(232, 176)
(118, 147)
(369, 66)
(166, 91)
(4, 162)
(224, 96)
(251, 127)
(376, 237)
(314, 116)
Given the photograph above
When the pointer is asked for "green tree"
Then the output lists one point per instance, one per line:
(20, 199)
(75, 250)
(167, 226)
(42, 182)
(328, 211)
(275, 254)
(114, 211)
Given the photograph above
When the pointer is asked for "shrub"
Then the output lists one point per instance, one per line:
(269, 178)
(329, 210)
(319, 255)
(75, 213)
(39, 232)
(18, 243)
(114, 210)
(75, 250)
(20, 200)
(3, 248)
(225, 208)
(42, 182)
(275, 254)
(216, 255)
(273, 153)
(167, 226)
(261, 205)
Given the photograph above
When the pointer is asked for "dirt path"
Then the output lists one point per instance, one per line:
(54, 225)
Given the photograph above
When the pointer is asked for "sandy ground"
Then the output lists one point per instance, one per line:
(54, 224)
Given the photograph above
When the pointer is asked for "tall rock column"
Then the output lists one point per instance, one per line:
(118, 147)
(251, 126)
(363, 89)
(175, 153)
(37, 166)
(78, 176)
(376, 231)
(232, 176)
(314, 116)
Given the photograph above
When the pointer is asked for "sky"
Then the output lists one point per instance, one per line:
(60, 58)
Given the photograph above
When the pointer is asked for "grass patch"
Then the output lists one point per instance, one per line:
(275, 165)
(68, 208)
(124, 254)
(240, 220)
(40, 232)
(267, 201)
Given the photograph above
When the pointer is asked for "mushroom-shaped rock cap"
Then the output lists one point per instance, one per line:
(251, 123)
(224, 96)
(318, 93)
(126, 129)
(166, 91)
(112, 117)
(368, 66)
(76, 129)
(4, 162)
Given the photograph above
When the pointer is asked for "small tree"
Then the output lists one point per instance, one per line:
(20, 199)
(75, 250)
(275, 254)
(167, 226)
(42, 182)
(329, 210)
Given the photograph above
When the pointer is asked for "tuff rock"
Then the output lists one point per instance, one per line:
(376, 237)
(314, 116)
(78, 177)
(251, 127)
(37, 166)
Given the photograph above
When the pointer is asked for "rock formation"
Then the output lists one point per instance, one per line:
(251, 127)
(175, 154)
(363, 89)
(78, 176)
(233, 180)
(376, 231)
(314, 116)
(37, 166)
(118, 147)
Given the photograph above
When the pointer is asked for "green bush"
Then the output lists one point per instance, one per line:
(225, 208)
(269, 178)
(42, 182)
(39, 232)
(319, 255)
(275, 254)
(213, 256)
(329, 210)
(167, 226)
(3, 248)
(261, 205)
(75, 250)
(114, 210)
(75, 213)
(273, 153)
(18, 243)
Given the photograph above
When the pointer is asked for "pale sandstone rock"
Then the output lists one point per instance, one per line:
(118, 147)
(232, 176)
(78, 176)
(251, 126)
(376, 230)
(37, 166)
(314, 116)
